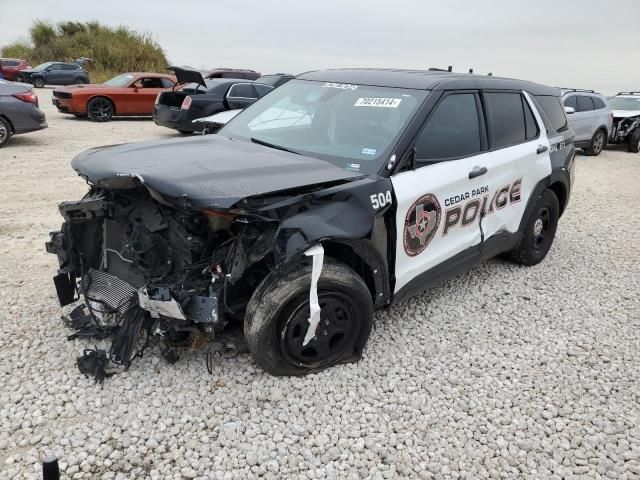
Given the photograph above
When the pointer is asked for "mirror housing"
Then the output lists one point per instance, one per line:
(569, 110)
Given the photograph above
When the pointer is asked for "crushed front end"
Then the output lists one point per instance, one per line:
(623, 126)
(145, 268)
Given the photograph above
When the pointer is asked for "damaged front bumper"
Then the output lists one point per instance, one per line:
(147, 269)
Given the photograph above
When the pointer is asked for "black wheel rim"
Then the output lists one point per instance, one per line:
(39, 83)
(598, 142)
(100, 109)
(335, 334)
(541, 228)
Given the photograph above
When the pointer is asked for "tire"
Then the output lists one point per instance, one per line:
(597, 144)
(38, 82)
(277, 315)
(5, 132)
(634, 141)
(79, 81)
(100, 109)
(19, 78)
(539, 231)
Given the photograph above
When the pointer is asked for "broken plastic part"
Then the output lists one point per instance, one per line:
(158, 301)
(317, 252)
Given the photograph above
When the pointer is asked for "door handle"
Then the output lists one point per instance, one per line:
(541, 149)
(477, 171)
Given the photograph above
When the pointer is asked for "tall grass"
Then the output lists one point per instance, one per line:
(113, 50)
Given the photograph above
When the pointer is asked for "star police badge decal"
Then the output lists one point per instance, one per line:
(421, 224)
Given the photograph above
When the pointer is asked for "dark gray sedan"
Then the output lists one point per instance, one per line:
(19, 112)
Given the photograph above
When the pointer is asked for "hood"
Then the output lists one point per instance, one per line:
(207, 171)
(187, 75)
(625, 113)
(221, 117)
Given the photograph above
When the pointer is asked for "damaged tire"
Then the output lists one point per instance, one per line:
(277, 319)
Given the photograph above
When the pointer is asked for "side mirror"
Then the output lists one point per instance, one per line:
(569, 110)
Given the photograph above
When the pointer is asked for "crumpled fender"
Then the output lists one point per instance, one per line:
(343, 215)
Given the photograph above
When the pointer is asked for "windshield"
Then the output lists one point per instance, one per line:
(42, 66)
(625, 103)
(120, 81)
(352, 126)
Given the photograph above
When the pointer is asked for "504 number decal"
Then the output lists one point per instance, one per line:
(382, 199)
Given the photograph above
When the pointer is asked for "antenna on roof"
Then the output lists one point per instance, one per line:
(450, 68)
(489, 74)
(471, 71)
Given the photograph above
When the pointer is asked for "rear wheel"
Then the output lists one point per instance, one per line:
(597, 144)
(634, 141)
(38, 82)
(100, 109)
(277, 320)
(539, 231)
(5, 132)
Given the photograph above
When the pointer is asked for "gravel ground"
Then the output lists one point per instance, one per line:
(504, 372)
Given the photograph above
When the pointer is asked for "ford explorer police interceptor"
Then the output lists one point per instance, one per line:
(341, 192)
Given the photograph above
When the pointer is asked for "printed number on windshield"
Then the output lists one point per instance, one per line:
(381, 199)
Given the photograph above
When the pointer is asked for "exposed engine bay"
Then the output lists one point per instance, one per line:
(623, 127)
(145, 269)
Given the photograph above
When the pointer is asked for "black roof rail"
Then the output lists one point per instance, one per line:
(436, 69)
(577, 90)
(628, 93)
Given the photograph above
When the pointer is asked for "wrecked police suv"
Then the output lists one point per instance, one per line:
(341, 192)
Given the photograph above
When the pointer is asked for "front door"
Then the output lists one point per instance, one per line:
(144, 95)
(440, 200)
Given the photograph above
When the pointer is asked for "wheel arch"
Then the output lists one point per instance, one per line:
(8, 120)
(106, 97)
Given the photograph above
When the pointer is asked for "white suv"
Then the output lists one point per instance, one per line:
(590, 117)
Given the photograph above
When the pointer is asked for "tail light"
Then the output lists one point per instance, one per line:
(186, 103)
(28, 97)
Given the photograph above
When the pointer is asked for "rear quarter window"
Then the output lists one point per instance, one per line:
(598, 103)
(554, 112)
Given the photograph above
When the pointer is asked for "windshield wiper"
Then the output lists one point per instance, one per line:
(272, 145)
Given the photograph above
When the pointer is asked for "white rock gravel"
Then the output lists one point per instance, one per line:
(503, 372)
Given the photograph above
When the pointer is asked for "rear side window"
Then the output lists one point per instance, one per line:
(598, 103)
(554, 111)
(452, 131)
(571, 102)
(166, 83)
(241, 90)
(262, 89)
(510, 119)
(10, 63)
(70, 67)
(585, 104)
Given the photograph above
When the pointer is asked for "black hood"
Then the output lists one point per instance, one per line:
(207, 171)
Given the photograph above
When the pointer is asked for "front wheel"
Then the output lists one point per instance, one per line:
(277, 320)
(634, 141)
(38, 82)
(79, 81)
(539, 231)
(100, 109)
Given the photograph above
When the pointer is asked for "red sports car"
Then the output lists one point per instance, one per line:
(128, 94)
(10, 68)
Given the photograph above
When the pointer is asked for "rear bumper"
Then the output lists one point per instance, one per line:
(29, 119)
(173, 117)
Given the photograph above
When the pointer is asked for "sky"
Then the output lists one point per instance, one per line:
(569, 43)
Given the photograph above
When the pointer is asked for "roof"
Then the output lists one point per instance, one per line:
(424, 80)
(150, 74)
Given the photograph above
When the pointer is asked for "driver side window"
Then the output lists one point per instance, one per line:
(452, 130)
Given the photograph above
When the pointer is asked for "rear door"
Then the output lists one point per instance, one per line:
(241, 95)
(437, 211)
(519, 157)
(584, 118)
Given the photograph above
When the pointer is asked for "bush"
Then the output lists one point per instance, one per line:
(113, 50)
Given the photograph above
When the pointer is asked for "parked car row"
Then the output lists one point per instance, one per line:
(598, 120)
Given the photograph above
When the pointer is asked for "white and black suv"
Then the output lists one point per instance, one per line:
(590, 118)
(341, 192)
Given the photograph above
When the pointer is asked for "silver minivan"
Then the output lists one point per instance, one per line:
(590, 117)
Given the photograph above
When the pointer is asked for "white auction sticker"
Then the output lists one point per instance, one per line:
(377, 102)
